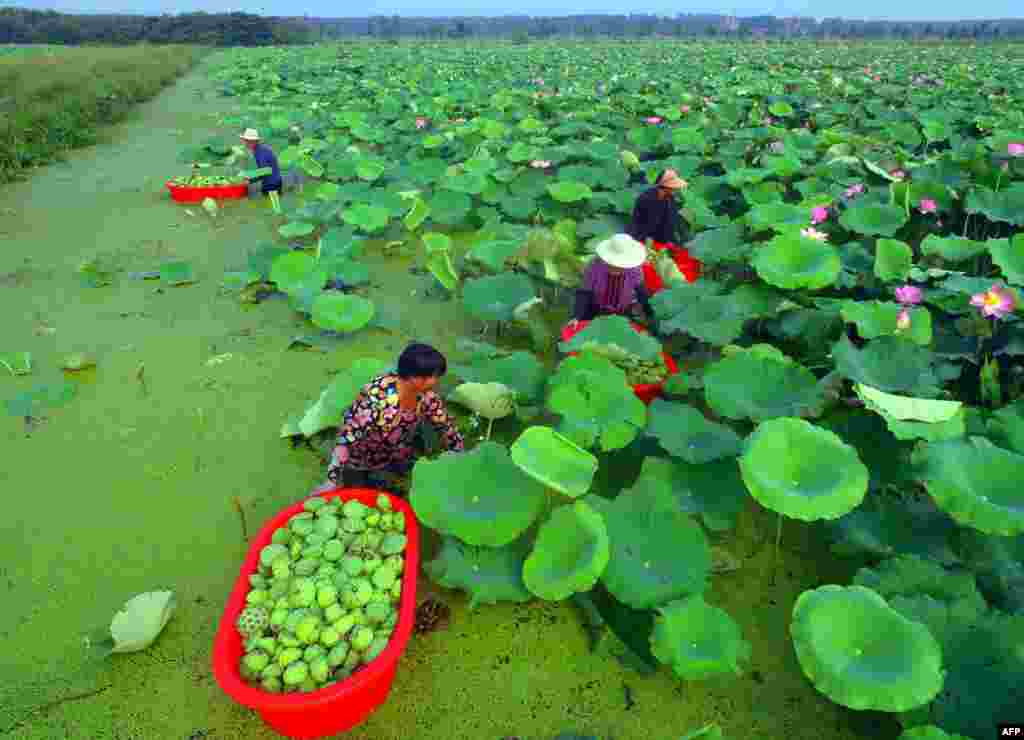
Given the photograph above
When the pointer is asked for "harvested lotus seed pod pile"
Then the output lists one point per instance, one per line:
(206, 181)
(325, 600)
(638, 372)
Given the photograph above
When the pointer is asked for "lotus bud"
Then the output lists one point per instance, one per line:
(319, 670)
(337, 655)
(362, 638)
(288, 656)
(296, 673)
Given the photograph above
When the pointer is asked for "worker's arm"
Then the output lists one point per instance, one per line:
(438, 415)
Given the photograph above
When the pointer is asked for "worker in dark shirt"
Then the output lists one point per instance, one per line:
(264, 158)
(656, 217)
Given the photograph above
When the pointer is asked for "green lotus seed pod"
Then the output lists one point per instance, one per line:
(257, 597)
(341, 673)
(326, 526)
(307, 566)
(389, 624)
(341, 579)
(319, 670)
(281, 536)
(301, 524)
(270, 553)
(347, 538)
(329, 636)
(373, 519)
(326, 595)
(384, 502)
(332, 508)
(315, 538)
(272, 685)
(372, 564)
(358, 618)
(384, 579)
(385, 521)
(351, 524)
(363, 591)
(296, 673)
(314, 503)
(396, 591)
(288, 640)
(295, 549)
(279, 587)
(355, 509)
(333, 550)
(353, 566)
(312, 652)
(258, 581)
(399, 525)
(267, 645)
(308, 630)
(333, 613)
(281, 567)
(304, 595)
(273, 670)
(395, 563)
(392, 544)
(362, 638)
(376, 612)
(256, 661)
(352, 660)
(375, 649)
(288, 656)
(337, 655)
(345, 624)
(309, 685)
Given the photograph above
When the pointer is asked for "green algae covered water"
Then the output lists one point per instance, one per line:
(128, 487)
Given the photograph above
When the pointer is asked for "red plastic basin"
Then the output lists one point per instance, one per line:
(344, 705)
(646, 392)
(185, 194)
(689, 266)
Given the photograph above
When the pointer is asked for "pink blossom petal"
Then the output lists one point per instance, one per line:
(1016, 149)
(903, 320)
(909, 295)
(928, 205)
(819, 214)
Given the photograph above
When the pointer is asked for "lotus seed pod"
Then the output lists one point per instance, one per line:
(329, 636)
(326, 526)
(381, 597)
(353, 566)
(279, 587)
(392, 544)
(314, 503)
(372, 564)
(272, 685)
(296, 673)
(308, 685)
(376, 612)
(395, 563)
(267, 645)
(294, 617)
(288, 640)
(308, 630)
(385, 521)
(333, 550)
(352, 524)
(352, 660)
(333, 613)
(355, 509)
(252, 621)
(295, 549)
(390, 622)
(301, 523)
(373, 519)
(258, 581)
(315, 538)
(257, 597)
(326, 571)
(273, 670)
(304, 595)
(326, 596)
(363, 591)
(358, 618)
(345, 624)
(319, 670)
(307, 566)
(375, 649)
(256, 661)
(399, 526)
(341, 579)
(362, 638)
(270, 553)
(337, 655)
(331, 508)
(288, 656)
(383, 502)
(281, 536)
(312, 652)
(281, 567)
(384, 579)
(373, 541)
(396, 591)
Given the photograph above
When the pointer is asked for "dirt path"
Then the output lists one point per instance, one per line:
(127, 487)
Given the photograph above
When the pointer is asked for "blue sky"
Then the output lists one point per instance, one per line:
(866, 9)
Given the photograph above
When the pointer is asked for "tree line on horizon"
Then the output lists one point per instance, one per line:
(24, 26)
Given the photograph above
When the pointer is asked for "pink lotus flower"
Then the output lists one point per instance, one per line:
(909, 295)
(876, 78)
(421, 122)
(898, 174)
(540, 164)
(811, 233)
(684, 108)
(538, 81)
(854, 190)
(653, 119)
(819, 214)
(903, 320)
(996, 302)
(1015, 149)
(769, 121)
(928, 206)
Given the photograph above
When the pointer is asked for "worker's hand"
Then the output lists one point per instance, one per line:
(323, 488)
(573, 323)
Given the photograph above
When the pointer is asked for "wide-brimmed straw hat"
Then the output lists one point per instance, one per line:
(622, 251)
(671, 180)
(250, 135)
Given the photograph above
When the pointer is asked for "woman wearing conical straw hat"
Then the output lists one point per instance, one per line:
(613, 283)
(270, 184)
(656, 218)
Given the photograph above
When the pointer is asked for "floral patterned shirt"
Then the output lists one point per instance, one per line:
(376, 432)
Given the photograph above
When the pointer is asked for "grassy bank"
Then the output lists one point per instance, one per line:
(57, 98)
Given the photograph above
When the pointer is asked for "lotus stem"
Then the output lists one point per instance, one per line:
(236, 502)
(775, 559)
(11, 369)
(490, 424)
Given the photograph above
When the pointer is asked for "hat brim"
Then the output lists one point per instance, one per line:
(635, 257)
(243, 137)
(672, 183)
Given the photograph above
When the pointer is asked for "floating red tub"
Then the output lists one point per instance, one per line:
(688, 266)
(186, 194)
(646, 392)
(344, 705)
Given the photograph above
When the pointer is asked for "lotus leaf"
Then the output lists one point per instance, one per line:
(911, 575)
(760, 383)
(615, 330)
(904, 408)
(480, 496)
(17, 363)
(296, 229)
(341, 312)
(569, 192)
(890, 364)
(177, 273)
(861, 653)
(520, 371)
(685, 432)
(714, 490)
(366, 217)
(597, 406)
(29, 403)
(494, 253)
(658, 553)
(570, 553)
(1005, 206)
(698, 640)
(494, 298)
(893, 259)
(878, 318)
(293, 270)
(701, 312)
(489, 400)
(1009, 256)
(802, 471)
(874, 219)
(1006, 427)
(139, 622)
(489, 574)
(339, 395)
(554, 461)
(795, 261)
(929, 732)
(976, 482)
(952, 248)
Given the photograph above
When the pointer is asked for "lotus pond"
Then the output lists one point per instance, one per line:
(818, 529)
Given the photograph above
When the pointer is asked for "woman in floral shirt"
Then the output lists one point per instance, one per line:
(378, 431)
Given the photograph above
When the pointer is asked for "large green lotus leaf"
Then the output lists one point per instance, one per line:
(929, 732)
(874, 219)
(698, 309)
(570, 553)
(520, 371)
(1006, 427)
(370, 169)
(488, 574)
(911, 575)
(760, 383)
(776, 216)
(296, 229)
(366, 217)
(976, 482)
(861, 653)
(449, 208)
(467, 182)
(952, 248)
(658, 553)
(49, 395)
(261, 258)
(554, 461)
(794, 261)
(698, 640)
(341, 312)
(441, 267)
(419, 213)
(339, 395)
(893, 259)
(494, 253)
(905, 408)
(570, 192)
(803, 471)
(1009, 256)
(880, 318)
(890, 364)
(685, 432)
(617, 330)
(1006, 206)
(597, 406)
(489, 400)
(715, 246)
(293, 270)
(480, 496)
(494, 298)
(714, 490)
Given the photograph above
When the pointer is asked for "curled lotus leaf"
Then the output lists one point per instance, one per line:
(803, 471)
(891, 364)
(489, 400)
(795, 261)
(341, 312)
(336, 397)
(520, 371)
(976, 483)
(698, 640)
(480, 496)
(658, 552)
(912, 418)
(861, 653)
(495, 298)
(760, 383)
(488, 574)
(714, 490)
(570, 553)
(141, 620)
(554, 460)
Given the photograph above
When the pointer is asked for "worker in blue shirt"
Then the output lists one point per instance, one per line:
(264, 158)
